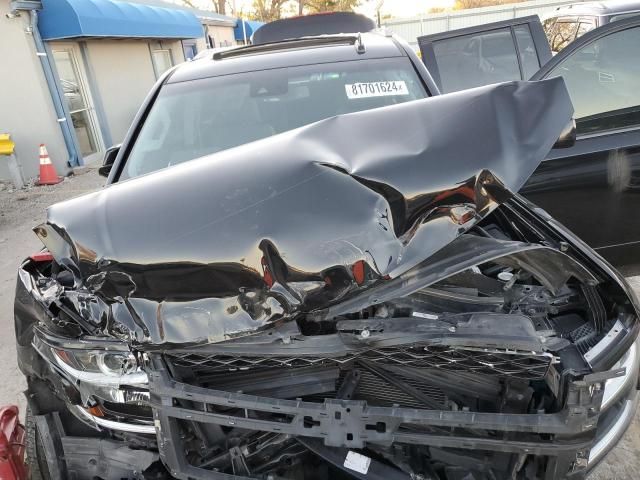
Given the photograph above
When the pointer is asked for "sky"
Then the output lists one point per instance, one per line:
(402, 8)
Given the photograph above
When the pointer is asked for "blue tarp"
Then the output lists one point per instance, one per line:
(114, 18)
(250, 27)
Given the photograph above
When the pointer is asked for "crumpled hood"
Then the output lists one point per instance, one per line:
(234, 241)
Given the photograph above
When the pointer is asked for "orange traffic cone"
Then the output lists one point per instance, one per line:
(48, 175)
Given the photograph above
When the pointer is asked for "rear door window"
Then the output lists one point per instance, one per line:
(475, 60)
(486, 54)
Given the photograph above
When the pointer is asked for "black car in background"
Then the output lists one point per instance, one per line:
(320, 288)
(569, 22)
(593, 186)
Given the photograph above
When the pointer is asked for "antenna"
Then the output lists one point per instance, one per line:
(360, 45)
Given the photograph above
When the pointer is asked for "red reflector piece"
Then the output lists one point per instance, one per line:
(268, 278)
(358, 272)
(42, 257)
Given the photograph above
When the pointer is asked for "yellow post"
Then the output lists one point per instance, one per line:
(7, 149)
(6, 144)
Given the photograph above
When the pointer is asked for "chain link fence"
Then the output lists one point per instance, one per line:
(412, 28)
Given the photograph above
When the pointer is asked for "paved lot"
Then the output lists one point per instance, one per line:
(21, 211)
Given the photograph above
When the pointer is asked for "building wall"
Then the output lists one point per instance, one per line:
(122, 76)
(26, 108)
(222, 36)
(201, 44)
(177, 52)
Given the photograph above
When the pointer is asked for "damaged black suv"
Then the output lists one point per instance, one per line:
(360, 297)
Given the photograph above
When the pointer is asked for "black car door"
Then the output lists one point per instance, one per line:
(492, 53)
(593, 187)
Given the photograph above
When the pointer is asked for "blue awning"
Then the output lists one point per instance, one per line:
(250, 26)
(114, 18)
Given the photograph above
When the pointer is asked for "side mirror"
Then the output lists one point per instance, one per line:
(109, 159)
(567, 137)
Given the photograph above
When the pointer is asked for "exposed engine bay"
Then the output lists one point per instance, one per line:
(416, 323)
(506, 336)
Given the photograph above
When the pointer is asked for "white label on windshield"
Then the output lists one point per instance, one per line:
(356, 462)
(376, 89)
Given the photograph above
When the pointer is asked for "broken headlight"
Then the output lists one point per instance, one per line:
(104, 368)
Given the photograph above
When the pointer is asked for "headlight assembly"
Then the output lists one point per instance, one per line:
(105, 368)
(114, 364)
(99, 367)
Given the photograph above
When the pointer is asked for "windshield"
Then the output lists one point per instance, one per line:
(196, 118)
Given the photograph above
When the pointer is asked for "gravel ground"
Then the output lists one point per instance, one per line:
(21, 210)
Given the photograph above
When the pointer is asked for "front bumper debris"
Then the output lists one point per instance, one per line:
(566, 436)
(88, 458)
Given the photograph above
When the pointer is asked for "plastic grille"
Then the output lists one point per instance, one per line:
(508, 363)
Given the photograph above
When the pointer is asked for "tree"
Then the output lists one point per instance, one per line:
(268, 10)
(464, 4)
(219, 6)
(319, 6)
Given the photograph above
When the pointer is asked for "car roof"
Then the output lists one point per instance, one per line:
(301, 51)
(600, 8)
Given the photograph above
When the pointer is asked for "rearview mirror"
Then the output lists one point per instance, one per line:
(567, 137)
(109, 159)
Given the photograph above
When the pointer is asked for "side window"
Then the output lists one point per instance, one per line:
(603, 80)
(190, 50)
(473, 60)
(527, 50)
(562, 34)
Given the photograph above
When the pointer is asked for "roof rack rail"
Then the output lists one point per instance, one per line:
(304, 42)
